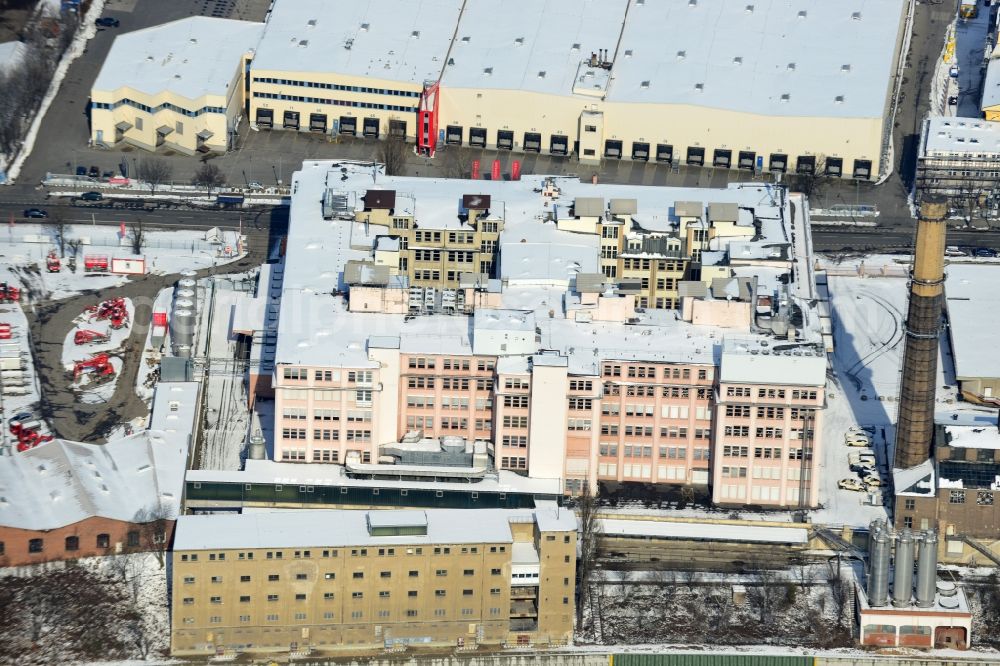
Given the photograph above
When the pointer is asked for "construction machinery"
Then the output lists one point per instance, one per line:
(28, 434)
(99, 364)
(9, 293)
(89, 337)
(113, 310)
(52, 262)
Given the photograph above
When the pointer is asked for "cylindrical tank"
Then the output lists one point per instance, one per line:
(878, 575)
(183, 304)
(258, 450)
(902, 581)
(927, 569)
(182, 332)
(186, 295)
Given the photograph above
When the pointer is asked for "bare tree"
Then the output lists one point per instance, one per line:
(154, 530)
(810, 183)
(209, 176)
(58, 227)
(137, 236)
(392, 153)
(590, 533)
(766, 592)
(155, 172)
(452, 165)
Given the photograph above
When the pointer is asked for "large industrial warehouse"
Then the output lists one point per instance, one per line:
(782, 85)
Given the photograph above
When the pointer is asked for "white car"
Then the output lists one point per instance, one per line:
(857, 439)
(872, 481)
(850, 484)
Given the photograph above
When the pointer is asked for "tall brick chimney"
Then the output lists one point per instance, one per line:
(915, 420)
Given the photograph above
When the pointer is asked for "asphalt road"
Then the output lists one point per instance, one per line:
(875, 239)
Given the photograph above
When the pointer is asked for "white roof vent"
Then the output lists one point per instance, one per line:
(699, 87)
(541, 74)
(311, 23)
(644, 84)
(791, 67)
(692, 3)
(466, 39)
(785, 97)
(575, 47)
(640, 2)
(519, 41)
(364, 27)
(845, 68)
(488, 71)
(738, 60)
(304, 42)
(749, 9)
(839, 99)
(193, 40)
(415, 34)
(802, 14)
(681, 55)
(856, 16)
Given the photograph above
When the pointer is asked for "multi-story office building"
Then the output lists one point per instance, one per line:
(554, 368)
(777, 93)
(328, 580)
(958, 159)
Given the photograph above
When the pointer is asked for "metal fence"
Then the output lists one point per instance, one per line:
(105, 238)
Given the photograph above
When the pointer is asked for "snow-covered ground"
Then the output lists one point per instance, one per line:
(23, 250)
(970, 53)
(93, 389)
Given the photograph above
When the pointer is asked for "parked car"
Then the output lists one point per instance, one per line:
(857, 439)
(850, 484)
(81, 171)
(871, 481)
(107, 22)
(108, 174)
(985, 252)
(94, 172)
(21, 416)
(91, 196)
(35, 212)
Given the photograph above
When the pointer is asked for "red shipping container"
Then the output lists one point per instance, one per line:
(159, 319)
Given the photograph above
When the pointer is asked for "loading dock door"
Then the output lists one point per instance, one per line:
(559, 144)
(291, 120)
(505, 140)
(265, 118)
(453, 136)
(371, 128)
(477, 137)
(778, 162)
(696, 156)
(640, 151)
(664, 153)
(348, 125)
(532, 142)
(317, 122)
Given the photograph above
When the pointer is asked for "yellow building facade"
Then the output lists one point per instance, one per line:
(351, 581)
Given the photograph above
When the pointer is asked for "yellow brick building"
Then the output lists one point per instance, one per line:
(358, 580)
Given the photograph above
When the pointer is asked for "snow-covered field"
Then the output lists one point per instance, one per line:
(23, 250)
(94, 608)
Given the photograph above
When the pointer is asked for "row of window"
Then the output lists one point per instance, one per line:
(166, 106)
(332, 102)
(652, 372)
(355, 615)
(336, 86)
(72, 543)
(335, 552)
(770, 393)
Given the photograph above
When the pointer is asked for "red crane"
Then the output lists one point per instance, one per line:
(52, 262)
(99, 364)
(88, 337)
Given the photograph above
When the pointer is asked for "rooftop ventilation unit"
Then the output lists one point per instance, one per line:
(749, 9)
(575, 47)
(304, 42)
(541, 74)
(681, 55)
(856, 16)
(311, 23)
(845, 68)
(415, 34)
(802, 14)
(519, 41)
(628, 53)
(785, 97)
(488, 71)
(700, 87)
(738, 60)
(791, 67)
(644, 84)
(466, 39)
(364, 27)
(839, 99)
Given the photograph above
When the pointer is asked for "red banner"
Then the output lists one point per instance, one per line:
(515, 170)
(475, 172)
(495, 174)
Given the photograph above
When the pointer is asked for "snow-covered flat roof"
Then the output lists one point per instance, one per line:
(392, 40)
(702, 531)
(973, 302)
(758, 359)
(318, 528)
(534, 45)
(767, 57)
(946, 136)
(11, 55)
(190, 57)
